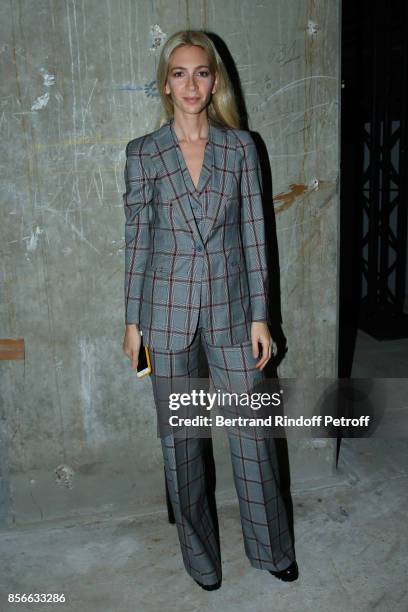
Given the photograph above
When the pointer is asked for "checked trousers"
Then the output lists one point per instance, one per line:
(267, 539)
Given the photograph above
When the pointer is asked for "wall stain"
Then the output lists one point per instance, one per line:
(288, 198)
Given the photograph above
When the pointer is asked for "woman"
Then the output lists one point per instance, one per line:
(196, 273)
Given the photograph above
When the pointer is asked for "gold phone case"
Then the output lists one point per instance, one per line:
(149, 364)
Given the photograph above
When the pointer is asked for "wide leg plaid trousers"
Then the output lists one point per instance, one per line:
(267, 538)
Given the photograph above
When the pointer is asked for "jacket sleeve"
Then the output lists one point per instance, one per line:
(253, 231)
(136, 200)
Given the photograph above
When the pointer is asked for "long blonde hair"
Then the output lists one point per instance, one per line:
(223, 107)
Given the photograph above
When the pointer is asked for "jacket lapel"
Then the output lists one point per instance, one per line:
(222, 176)
(206, 167)
(218, 165)
(164, 157)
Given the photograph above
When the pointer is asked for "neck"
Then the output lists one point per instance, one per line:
(191, 128)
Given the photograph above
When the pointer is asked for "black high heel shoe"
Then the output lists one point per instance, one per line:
(289, 574)
(209, 587)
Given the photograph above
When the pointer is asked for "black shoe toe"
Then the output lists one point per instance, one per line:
(209, 587)
(289, 574)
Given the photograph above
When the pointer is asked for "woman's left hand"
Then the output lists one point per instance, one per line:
(260, 334)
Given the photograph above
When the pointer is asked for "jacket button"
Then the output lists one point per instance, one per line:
(199, 247)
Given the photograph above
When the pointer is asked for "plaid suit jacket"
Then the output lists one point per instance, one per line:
(168, 255)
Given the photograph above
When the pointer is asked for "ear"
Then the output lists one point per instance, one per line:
(214, 87)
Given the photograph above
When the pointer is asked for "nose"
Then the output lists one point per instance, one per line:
(191, 84)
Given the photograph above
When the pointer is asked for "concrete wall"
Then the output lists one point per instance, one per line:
(78, 82)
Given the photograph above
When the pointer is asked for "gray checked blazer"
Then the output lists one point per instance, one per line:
(168, 255)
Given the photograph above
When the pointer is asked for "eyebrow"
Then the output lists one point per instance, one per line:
(184, 68)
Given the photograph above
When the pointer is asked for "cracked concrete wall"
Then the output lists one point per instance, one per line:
(78, 83)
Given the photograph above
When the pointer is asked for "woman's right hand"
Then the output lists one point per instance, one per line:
(131, 344)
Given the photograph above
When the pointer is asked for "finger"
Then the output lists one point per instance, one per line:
(269, 354)
(265, 353)
(135, 359)
(255, 348)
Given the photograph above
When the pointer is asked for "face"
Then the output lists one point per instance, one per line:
(189, 81)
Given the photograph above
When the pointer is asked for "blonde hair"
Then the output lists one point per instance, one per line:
(222, 107)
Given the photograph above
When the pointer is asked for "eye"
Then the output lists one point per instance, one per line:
(203, 73)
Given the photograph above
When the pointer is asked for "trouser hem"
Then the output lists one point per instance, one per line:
(282, 564)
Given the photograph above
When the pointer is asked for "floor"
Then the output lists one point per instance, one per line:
(351, 542)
